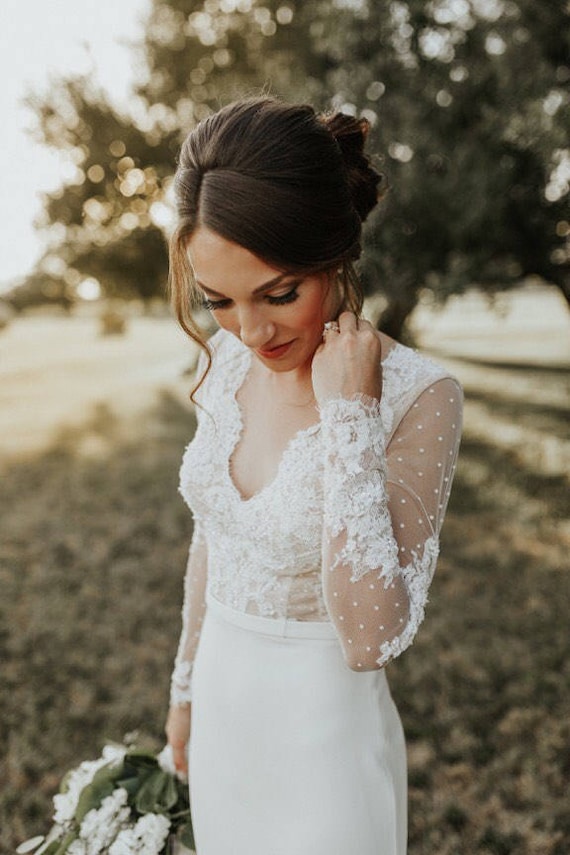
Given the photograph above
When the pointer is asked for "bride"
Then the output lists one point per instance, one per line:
(318, 479)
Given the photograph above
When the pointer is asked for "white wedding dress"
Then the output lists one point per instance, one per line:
(293, 599)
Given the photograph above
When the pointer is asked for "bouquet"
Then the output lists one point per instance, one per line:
(127, 802)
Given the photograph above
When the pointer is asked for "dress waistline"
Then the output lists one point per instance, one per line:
(282, 627)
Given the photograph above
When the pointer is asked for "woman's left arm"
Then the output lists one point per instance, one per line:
(384, 507)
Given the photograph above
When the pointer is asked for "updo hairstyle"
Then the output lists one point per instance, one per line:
(291, 186)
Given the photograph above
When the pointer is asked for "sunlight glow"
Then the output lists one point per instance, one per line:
(559, 181)
(495, 45)
(88, 289)
(401, 152)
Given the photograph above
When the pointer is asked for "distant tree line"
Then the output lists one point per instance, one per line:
(468, 101)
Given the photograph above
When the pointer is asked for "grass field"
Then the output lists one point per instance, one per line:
(93, 539)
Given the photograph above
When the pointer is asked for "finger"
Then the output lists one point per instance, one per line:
(182, 767)
(179, 757)
(366, 326)
(330, 327)
(347, 322)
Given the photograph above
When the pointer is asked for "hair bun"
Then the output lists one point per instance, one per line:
(363, 180)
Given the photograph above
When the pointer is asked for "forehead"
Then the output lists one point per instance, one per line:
(220, 264)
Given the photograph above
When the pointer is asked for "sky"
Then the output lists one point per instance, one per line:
(40, 39)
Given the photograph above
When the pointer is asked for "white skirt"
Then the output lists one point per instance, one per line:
(291, 752)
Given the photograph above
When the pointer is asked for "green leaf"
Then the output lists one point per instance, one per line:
(53, 848)
(185, 835)
(141, 759)
(169, 792)
(103, 783)
(60, 846)
(158, 794)
(131, 785)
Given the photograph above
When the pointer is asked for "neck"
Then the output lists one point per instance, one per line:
(296, 384)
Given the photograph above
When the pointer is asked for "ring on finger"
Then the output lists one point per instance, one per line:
(331, 326)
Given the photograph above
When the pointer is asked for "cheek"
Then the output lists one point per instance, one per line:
(226, 320)
(312, 314)
(309, 318)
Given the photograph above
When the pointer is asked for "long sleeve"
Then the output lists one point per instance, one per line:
(194, 602)
(193, 609)
(384, 507)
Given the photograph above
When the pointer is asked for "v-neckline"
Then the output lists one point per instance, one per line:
(238, 421)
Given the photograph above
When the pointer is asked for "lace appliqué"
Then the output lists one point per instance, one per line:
(264, 551)
(360, 475)
(406, 374)
(356, 504)
(181, 685)
(417, 577)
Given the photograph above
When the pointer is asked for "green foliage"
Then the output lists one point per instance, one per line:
(468, 102)
(102, 785)
(158, 794)
(150, 789)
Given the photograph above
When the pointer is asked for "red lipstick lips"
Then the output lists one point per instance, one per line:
(275, 352)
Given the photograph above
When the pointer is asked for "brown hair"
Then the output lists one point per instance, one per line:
(291, 186)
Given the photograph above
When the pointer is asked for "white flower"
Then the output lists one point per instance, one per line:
(146, 838)
(65, 803)
(166, 761)
(152, 828)
(125, 843)
(114, 754)
(101, 825)
(76, 847)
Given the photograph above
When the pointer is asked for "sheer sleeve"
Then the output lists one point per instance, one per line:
(193, 609)
(384, 507)
(194, 603)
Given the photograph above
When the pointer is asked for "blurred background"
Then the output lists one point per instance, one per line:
(467, 258)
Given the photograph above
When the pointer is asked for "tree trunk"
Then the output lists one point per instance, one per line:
(564, 285)
(393, 319)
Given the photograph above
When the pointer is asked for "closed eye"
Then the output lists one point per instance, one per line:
(289, 297)
(212, 305)
(280, 300)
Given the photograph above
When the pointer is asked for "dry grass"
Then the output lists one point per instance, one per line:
(93, 541)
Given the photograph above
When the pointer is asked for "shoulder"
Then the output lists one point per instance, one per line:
(410, 377)
(409, 369)
(225, 347)
(228, 357)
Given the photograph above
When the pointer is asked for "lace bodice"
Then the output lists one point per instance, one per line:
(347, 530)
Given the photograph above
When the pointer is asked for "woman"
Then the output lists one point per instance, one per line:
(318, 479)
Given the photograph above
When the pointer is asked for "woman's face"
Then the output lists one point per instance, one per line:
(279, 316)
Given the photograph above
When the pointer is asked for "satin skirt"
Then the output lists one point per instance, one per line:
(291, 752)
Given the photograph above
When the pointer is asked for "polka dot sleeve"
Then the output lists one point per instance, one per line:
(384, 507)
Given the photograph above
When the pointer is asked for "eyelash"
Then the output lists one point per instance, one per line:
(289, 297)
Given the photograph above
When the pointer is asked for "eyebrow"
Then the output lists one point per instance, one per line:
(261, 289)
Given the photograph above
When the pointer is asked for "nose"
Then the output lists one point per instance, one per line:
(255, 329)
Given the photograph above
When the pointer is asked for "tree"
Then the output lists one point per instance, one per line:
(476, 133)
(466, 99)
(106, 217)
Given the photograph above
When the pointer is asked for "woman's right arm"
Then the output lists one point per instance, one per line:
(194, 607)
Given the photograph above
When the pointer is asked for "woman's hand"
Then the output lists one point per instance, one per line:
(177, 734)
(347, 363)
